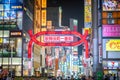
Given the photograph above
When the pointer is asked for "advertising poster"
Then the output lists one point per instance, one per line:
(111, 31)
(111, 5)
(11, 14)
(88, 16)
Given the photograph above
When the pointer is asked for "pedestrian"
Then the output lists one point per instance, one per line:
(59, 78)
(106, 77)
(89, 78)
(83, 77)
(114, 77)
(111, 77)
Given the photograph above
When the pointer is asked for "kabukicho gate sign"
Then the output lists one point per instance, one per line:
(58, 38)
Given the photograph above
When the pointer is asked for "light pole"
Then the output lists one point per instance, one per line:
(12, 45)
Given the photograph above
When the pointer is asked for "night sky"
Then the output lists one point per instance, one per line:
(71, 9)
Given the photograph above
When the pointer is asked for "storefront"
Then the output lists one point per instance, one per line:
(111, 58)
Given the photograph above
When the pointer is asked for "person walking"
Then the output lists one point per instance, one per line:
(114, 77)
(111, 77)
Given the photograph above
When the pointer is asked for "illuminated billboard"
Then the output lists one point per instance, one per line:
(11, 1)
(44, 3)
(11, 14)
(88, 16)
(58, 38)
(111, 5)
(111, 30)
(44, 18)
(113, 45)
(33, 39)
(111, 64)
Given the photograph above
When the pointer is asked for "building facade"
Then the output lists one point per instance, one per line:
(110, 36)
(11, 35)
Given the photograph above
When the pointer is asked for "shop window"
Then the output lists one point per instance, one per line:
(5, 61)
(110, 15)
(1, 23)
(19, 19)
(19, 47)
(1, 33)
(19, 14)
(12, 15)
(16, 46)
(119, 21)
(13, 1)
(16, 61)
(6, 47)
(1, 41)
(18, 71)
(6, 1)
(13, 21)
(6, 33)
(6, 16)
(1, 15)
(0, 61)
(1, 7)
(111, 21)
(6, 6)
(19, 23)
(9, 15)
(13, 47)
(0, 49)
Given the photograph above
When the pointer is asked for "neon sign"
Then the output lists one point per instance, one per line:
(113, 45)
(58, 38)
(33, 39)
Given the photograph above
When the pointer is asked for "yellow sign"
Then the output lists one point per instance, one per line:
(44, 4)
(89, 30)
(43, 17)
(1, 40)
(113, 45)
(88, 17)
(49, 24)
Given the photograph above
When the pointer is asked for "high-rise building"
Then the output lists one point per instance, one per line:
(15, 19)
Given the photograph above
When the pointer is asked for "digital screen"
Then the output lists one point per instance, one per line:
(1, 7)
(111, 5)
(9, 14)
(6, 6)
(11, 1)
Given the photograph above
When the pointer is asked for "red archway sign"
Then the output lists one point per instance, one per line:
(33, 39)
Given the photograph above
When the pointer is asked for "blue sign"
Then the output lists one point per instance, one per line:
(11, 1)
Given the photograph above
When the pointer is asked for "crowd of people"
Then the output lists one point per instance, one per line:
(84, 77)
(110, 77)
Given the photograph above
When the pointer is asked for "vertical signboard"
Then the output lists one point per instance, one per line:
(49, 25)
(44, 3)
(100, 54)
(43, 17)
(88, 19)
